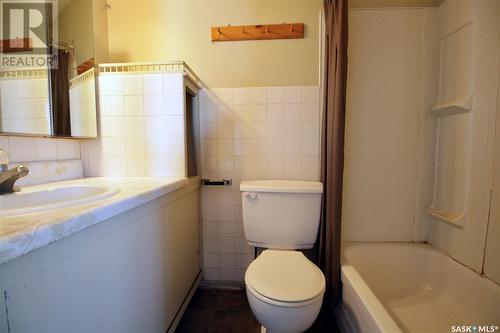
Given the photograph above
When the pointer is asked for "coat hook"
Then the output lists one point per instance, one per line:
(243, 30)
(291, 28)
(267, 29)
(220, 32)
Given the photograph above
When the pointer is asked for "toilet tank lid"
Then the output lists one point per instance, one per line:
(281, 186)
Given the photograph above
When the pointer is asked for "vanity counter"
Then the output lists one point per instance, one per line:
(21, 234)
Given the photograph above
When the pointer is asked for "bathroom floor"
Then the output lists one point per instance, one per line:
(227, 310)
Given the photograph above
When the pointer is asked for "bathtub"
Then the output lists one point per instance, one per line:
(404, 287)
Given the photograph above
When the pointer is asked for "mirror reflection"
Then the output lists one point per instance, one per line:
(72, 80)
(24, 101)
(56, 98)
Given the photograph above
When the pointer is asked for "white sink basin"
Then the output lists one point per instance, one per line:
(32, 200)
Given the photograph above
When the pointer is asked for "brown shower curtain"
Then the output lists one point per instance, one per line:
(59, 81)
(332, 145)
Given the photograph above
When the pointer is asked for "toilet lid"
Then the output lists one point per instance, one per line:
(285, 276)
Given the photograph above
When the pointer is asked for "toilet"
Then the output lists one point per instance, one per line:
(284, 289)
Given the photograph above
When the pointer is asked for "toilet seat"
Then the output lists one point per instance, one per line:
(281, 304)
(284, 277)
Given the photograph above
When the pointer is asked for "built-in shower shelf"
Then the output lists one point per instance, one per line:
(443, 110)
(456, 219)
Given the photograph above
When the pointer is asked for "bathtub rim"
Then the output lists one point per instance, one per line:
(426, 248)
(377, 311)
(345, 318)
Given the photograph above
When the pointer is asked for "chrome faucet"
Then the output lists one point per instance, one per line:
(9, 177)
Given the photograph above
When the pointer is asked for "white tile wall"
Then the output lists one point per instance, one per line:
(25, 108)
(82, 100)
(24, 149)
(25, 105)
(141, 121)
(250, 133)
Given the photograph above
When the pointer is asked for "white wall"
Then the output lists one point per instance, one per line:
(166, 30)
(75, 27)
(250, 133)
(246, 132)
(467, 243)
(385, 107)
(492, 260)
(100, 25)
(396, 75)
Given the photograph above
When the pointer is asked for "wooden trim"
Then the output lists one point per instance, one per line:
(258, 32)
(85, 66)
(16, 45)
(393, 3)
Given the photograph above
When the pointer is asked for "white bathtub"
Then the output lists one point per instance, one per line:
(404, 287)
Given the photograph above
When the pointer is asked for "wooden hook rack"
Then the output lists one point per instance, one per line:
(258, 32)
(16, 45)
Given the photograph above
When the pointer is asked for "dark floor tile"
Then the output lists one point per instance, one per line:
(196, 320)
(234, 300)
(227, 311)
(220, 299)
(234, 321)
(324, 323)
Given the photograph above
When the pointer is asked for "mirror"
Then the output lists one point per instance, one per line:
(73, 82)
(55, 97)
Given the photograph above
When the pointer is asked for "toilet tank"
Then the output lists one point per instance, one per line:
(281, 214)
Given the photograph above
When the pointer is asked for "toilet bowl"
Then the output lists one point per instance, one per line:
(285, 291)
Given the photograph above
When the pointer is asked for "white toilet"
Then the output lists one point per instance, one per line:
(285, 290)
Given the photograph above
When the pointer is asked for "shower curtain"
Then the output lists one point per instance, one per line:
(332, 145)
(59, 81)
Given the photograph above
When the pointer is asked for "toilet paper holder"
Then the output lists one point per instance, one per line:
(223, 182)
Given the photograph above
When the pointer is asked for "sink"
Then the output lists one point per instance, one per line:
(43, 198)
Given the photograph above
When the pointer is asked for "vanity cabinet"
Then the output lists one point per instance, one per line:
(134, 272)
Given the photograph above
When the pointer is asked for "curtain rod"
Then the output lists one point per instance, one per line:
(64, 44)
